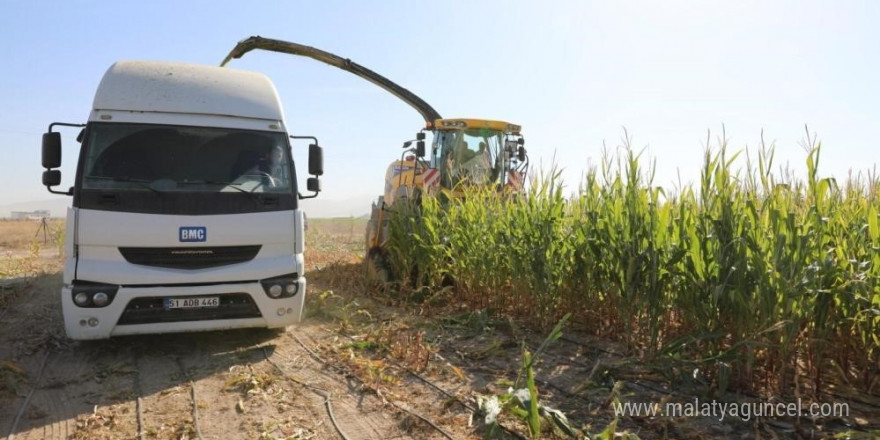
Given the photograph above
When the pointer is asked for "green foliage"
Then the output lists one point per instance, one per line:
(522, 402)
(749, 276)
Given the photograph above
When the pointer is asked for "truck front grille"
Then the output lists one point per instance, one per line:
(189, 257)
(151, 310)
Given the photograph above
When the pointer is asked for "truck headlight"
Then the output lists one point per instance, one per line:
(274, 291)
(100, 299)
(81, 299)
(284, 286)
(90, 294)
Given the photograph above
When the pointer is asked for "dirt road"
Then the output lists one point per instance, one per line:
(219, 385)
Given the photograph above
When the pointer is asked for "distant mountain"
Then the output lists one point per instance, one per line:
(314, 208)
(57, 207)
(327, 208)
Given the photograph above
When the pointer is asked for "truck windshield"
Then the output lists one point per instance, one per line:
(471, 156)
(163, 158)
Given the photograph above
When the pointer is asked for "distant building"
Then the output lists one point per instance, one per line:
(31, 215)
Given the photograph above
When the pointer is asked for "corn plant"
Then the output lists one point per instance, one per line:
(752, 276)
(522, 399)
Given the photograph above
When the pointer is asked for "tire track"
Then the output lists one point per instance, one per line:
(66, 395)
(27, 400)
(138, 390)
(310, 408)
(361, 413)
(86, 392)
(421, 387)
(337, 407)
(193, 398)
(166, 406)
(325, 394)
(221, 366)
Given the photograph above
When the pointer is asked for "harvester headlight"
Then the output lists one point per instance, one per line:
(456, 124)
(290, 289)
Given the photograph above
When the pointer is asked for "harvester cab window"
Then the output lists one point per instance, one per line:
(472, 157)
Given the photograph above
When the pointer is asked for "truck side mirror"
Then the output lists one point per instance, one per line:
(420, 136)
(316, 161)
(420, 148)
(51, 150)
(521, 153)
(313, 184)
(51, 177)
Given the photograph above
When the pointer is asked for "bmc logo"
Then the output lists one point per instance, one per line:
(193, 233)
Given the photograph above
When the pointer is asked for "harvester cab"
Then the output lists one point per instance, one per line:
(464, 152)
(479, 152)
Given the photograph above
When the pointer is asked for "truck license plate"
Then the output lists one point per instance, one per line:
(192, 303)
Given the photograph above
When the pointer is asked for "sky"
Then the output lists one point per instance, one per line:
(574, 74)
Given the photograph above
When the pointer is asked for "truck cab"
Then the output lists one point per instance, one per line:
(185, 212)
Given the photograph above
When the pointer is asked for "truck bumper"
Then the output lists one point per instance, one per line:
(138, 310)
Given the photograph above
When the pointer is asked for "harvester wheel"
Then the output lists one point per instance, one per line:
(377, 267)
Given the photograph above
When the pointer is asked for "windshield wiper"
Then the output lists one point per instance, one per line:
(218, 182)
(209, 182)
(139, 182)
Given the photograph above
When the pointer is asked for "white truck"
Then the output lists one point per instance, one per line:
(185, 212)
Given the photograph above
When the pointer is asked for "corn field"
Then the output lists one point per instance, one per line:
(760, 280)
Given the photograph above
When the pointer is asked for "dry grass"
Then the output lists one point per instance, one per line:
(13, 379)
(90, 426)
(27, 249)
(17, 235)
(336, 240)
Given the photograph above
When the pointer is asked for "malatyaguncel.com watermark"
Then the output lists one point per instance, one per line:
(719, 410)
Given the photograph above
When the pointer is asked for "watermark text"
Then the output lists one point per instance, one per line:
(719, 410)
